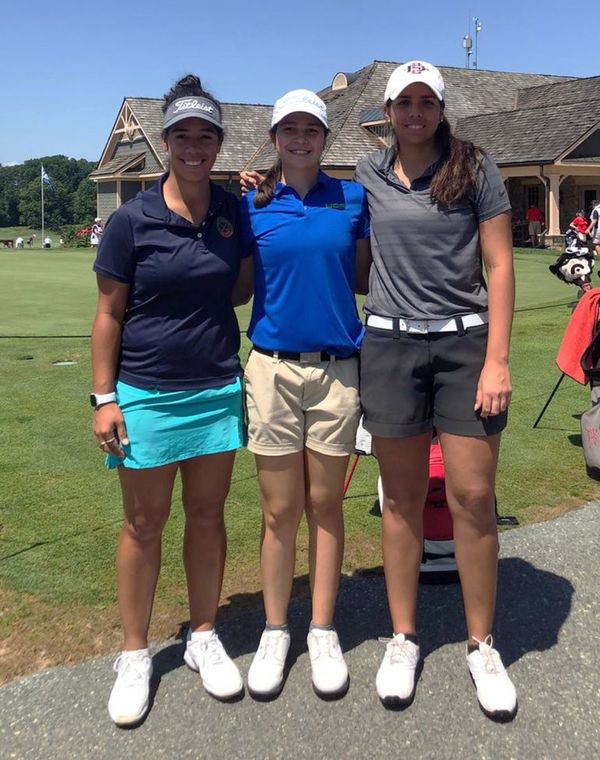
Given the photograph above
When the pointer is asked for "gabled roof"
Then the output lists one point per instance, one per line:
(468, 92)
(118, 164)
(531, 135)
(558, 112)
(573, 91)
(245, 127)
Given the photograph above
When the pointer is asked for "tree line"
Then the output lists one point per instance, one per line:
(72, 201)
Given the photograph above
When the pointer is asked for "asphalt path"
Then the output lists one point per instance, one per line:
(548, 624)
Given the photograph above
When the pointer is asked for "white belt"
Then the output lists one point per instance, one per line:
(424, 326)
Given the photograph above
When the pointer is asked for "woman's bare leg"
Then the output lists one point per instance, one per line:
(404, 467)
(470, 465)
(281, 482)
(205, 485)
(324, 494)
(146, 505)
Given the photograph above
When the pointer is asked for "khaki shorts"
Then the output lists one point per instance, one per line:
(292, 405)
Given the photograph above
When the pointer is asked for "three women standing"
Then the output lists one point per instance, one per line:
(435, 355)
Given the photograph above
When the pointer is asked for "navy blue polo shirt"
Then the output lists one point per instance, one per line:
(304, 267)
(180, 331)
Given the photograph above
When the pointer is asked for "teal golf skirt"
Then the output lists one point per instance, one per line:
(169, 426)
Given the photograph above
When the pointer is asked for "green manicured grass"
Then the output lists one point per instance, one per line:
(59, 509)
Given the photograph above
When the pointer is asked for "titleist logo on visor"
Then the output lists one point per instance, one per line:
(198, 107)
(192, 103)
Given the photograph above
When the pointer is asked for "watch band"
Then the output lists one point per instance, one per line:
(98, 399)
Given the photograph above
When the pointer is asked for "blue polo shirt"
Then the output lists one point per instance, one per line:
(180, 331)
(304, 265)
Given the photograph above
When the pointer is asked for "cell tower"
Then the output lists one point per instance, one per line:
(478, 28)
(468, 46)
(468, 43)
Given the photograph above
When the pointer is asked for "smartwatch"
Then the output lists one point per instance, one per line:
(99, 399)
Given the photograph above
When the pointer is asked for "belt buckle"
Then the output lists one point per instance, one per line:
(420, 326)
(310, 357)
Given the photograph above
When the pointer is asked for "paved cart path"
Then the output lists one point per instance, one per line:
(548, 632)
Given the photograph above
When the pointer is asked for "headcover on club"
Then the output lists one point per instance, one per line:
(574, 267)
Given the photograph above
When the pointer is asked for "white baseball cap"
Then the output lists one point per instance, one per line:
(414, 71)
(303, 101)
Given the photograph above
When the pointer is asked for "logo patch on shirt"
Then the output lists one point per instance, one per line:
(340, 206)
(224, 227)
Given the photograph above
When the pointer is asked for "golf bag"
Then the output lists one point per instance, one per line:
(575, 263)
(590, 419)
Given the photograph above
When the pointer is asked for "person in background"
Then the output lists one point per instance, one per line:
(309, 235)
(579, 224)
(96, 233)
(435, 356)
(19, 242)
(167, 392)
(533, 217)
(594, 227)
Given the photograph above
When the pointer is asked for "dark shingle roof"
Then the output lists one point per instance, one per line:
(525, 135)
(468, 92)
(530, 135)
(117, 165)
(581, 91)
(245, 127)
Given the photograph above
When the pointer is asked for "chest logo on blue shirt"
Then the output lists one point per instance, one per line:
(339, 206)
(224, 227)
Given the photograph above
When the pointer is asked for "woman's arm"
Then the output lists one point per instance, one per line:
(244, 285)
(363, 265)
(106, 341)
(494, 388)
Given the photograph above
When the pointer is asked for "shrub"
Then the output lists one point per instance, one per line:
(74, 236)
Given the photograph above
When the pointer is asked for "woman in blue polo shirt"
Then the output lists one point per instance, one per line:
(307, 231)
(435, 355)
(167, 391)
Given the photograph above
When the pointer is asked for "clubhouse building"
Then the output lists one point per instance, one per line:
(542, 131)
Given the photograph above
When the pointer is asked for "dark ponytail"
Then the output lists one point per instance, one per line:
(264, 192)
(456, 176)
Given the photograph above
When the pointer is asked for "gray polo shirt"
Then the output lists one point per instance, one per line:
(426, 259)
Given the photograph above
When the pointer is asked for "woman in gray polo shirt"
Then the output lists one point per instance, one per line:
(435, 355)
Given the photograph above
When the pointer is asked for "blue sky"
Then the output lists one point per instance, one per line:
(67, 65)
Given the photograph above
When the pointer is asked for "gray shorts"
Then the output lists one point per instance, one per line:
(413, 383)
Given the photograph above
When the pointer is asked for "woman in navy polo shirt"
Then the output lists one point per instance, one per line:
(435, 354)
(308, 232)
(167, 390)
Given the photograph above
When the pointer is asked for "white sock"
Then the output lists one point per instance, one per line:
(136, 652)
(202, 635)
